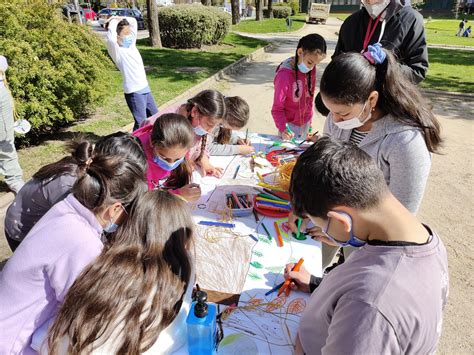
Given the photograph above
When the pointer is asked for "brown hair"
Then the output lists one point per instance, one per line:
(136, 285)
(209, 103)
(171, 130)
(237, 115)
(110, 178)
(350, 78)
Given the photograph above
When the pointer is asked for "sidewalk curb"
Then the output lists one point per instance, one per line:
(212, 80)
(458, 95)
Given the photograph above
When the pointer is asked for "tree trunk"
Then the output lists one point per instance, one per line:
(270, 9)
(153, 24)
(258, 10)
(234, 5)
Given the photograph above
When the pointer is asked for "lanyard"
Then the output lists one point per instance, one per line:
(370, 31)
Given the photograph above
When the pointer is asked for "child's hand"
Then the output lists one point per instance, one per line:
(246, 149)
(292, 220)
(241, 141)
(312, 137)
(190, 192)
(208, 169)
(286, 136)
(299, 279)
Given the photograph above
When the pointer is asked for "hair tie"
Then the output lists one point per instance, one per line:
(375, 54)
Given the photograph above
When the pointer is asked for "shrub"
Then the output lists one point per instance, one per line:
(191, 26)
(293, 4)
(57, 70)
(278, 12)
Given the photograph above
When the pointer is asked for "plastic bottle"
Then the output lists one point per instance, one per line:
(202, 326)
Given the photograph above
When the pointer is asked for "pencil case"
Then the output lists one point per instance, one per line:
(240, 204)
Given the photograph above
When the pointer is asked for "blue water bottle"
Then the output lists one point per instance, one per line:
(202, 326)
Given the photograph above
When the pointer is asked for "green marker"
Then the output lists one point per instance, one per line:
(299, 235)
(290, 132)
(266, 231)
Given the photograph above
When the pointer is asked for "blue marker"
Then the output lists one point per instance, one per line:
(274, 289)
(253, 237)
(217, 224)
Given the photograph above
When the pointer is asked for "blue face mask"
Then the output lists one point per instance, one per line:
(163, 164)
(199, 130)
(303, 68)
(353, 240)
(111, 227)
(127, 41)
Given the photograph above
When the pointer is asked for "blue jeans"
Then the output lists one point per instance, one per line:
(142, 106)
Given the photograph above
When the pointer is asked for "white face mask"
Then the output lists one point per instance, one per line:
(353, 122)
(376, 9)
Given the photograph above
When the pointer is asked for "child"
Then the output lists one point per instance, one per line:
(53, 182)
(225, 141)
(388, 297)
(467, 33)
(9, 166)
(166, 144)
(205, 111)
(295, 83)
(121, 45)
(376, 107)
(36, 278)
(144, 282)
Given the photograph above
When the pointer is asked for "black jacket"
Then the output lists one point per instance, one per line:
(404, 34)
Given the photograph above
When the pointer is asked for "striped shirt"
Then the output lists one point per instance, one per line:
(357, 136)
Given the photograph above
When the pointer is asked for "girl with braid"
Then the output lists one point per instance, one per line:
(295, 82)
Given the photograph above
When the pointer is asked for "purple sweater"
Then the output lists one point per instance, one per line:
(36, 278)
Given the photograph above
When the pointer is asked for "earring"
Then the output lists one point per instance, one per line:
(373, 109)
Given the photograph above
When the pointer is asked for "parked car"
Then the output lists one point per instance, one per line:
(89, 14)
(70, 12)
(105, 14)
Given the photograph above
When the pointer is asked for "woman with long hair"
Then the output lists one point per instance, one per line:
(136, 295)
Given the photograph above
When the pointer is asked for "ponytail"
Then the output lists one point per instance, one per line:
(351, 77)
(80, 151)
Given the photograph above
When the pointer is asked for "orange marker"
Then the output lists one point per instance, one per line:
(279, 238)
(286, 285)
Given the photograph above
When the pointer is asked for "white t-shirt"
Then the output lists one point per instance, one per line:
(128, 60)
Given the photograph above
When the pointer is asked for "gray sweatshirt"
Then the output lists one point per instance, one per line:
(400, 151)
(224, 149)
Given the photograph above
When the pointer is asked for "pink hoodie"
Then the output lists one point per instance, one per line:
(287, 108)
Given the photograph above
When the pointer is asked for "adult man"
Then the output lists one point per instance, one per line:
(389, 296)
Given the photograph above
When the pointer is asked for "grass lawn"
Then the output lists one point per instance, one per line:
(270, 25)
(440, 31)
(450, 70)
(340, 16)
(166, 82)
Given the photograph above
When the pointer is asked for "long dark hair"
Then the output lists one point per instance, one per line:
(312, 43)
(350, 78)
(114, 173)
(172, 130)
(237, 115)
(138, 281)
(209, 103)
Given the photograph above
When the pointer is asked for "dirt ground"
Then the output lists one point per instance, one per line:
(448, 201)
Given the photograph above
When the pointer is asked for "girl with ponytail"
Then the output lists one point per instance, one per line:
(65, 240)
(295, 82)
(136, 295)
(166, 144)
(373, 105)
(53, 182)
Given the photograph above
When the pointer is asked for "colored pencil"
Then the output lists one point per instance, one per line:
(267, 232)
(236, 171)
(217, 224)
(280, 239)
(277, 202)
(299, 227)
(253, 237)
(271, 204)
(236, 199)
(256, 216)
